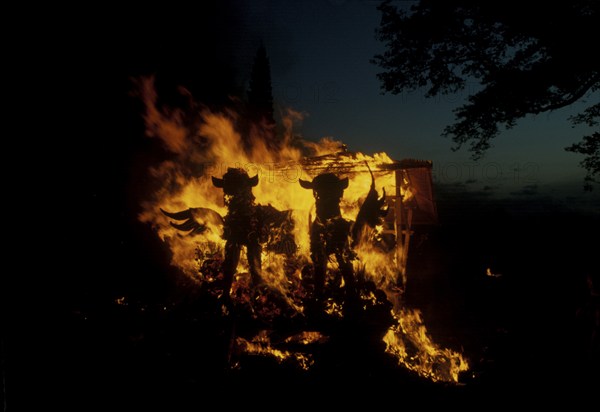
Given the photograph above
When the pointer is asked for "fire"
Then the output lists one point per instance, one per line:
(409, 342)
(205, 144)
(261, 345)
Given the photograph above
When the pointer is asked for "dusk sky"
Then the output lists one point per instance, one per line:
(320, 55)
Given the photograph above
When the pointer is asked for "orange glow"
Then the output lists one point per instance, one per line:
(214, 144)
(261, 345)
(409, 342)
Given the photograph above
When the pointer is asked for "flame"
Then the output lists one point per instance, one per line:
(214, 145)
(409, 342)
(204, 143)
(307, 338)
(261, 345)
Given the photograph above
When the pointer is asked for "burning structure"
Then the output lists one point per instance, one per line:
(408, 196)
(206, 228)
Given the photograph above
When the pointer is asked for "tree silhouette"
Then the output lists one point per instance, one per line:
(259, 102)
(528, 58)
(590, 147)
(260, 96)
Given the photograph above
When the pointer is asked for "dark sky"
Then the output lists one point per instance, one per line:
(320, 52)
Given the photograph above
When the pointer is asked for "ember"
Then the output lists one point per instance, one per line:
(262, 247)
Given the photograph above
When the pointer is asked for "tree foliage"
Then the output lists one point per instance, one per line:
(528, 57)
(590, 147)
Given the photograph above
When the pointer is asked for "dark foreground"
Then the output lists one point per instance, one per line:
(73, 345)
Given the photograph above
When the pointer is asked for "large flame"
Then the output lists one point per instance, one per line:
(204, 143)
(410, 343)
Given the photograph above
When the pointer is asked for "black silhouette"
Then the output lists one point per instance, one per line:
(246, 224)
(241, 227)
(590, 147)
(260, 95)
(524, 64)
(196, 219)
(371, 212)
(331, 234)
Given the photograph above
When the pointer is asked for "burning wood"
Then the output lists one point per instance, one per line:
(285, 250)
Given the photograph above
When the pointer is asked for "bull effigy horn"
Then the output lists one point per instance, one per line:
(344, 183)
(183, 215)
(306, 184)
(217, 182)
(253, 180)
(383, 196)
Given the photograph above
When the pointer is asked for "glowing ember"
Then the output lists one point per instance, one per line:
(187, 211)
(261, 345)
(307, 338)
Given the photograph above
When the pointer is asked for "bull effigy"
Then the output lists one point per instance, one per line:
(246, 224)
(252, 226)
(331, 234)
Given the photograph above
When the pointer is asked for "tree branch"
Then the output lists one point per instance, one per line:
(574, 97)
